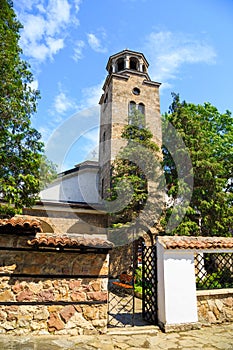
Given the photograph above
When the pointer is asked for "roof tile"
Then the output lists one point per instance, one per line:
(185, 242)
(70, 242)
(20, 222)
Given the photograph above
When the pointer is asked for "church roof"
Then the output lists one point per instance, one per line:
(88, 164)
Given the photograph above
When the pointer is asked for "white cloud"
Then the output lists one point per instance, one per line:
(63, 103)
(92, 135)
(168, 51)
(91, 95)
(46, 26)
(41, 8)
(78, 50)
(58, 16)
(54, 45)
(95, 43)
(71, 131)
(34, 84)
(26, 4)
(77, 4)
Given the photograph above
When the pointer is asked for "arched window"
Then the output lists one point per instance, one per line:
(103, 140)
(120, 64)
(106, 98)
(132, 107)
(133, 63)
(102, 188)
(141, 108)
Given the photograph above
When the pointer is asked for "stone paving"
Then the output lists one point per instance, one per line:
(218, 337)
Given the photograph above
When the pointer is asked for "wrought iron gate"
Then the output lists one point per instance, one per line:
(121, 306)
(124, 309)
(149, 285)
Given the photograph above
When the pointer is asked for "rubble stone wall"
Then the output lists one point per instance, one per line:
(120, 260)
(53, 292)
(215, 306)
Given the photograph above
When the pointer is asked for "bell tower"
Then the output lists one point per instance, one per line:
(126, 87)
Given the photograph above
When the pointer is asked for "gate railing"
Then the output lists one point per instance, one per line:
(121, 306)
(149, 285)
(214, 270)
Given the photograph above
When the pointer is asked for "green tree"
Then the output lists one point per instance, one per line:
(136, 175)
(23, 165)
(208, 135)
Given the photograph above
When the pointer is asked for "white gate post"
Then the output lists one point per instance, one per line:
(177, 302)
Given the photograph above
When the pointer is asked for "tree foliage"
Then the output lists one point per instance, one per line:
(208, 135)
(134, 170)
(23, 165)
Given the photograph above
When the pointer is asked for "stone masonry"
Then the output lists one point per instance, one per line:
(118, 93)
(215, 306)
(52, 303)
(53, 289)
(67, 218)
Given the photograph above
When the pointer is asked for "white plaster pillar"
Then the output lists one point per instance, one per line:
(113, 66)
(177, 303)
(126, 61)
(141, 66)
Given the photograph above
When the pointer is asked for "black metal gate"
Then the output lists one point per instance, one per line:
(149, 285)
(121, 308)
(124, 306)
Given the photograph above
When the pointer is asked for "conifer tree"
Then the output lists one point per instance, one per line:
(208, 135)
(136, 175)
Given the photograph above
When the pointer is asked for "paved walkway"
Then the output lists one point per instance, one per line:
(219, 337)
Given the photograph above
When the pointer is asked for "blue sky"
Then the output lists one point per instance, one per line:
(188, 44)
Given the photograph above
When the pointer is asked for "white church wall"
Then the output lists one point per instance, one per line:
(80, 186)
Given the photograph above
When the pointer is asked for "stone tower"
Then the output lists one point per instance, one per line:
(126, 87)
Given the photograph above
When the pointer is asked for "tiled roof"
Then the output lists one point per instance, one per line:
(20, 223)
(70, 242)
(184, 242)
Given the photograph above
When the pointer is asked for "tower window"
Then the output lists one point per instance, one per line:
(141, 108)
(136, 91)
(103, 140)
(106, 98)
(132, 107)
(120, 64)
(133, 63)
(102, 188)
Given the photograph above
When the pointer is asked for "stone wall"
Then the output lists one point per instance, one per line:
(120, 260)
(60, 221)
(53, 292)
(215, 306)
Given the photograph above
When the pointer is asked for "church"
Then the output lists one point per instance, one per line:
(73, 203)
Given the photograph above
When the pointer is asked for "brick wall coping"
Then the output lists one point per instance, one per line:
(224, 291)
(185, 242)
(46, 240)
